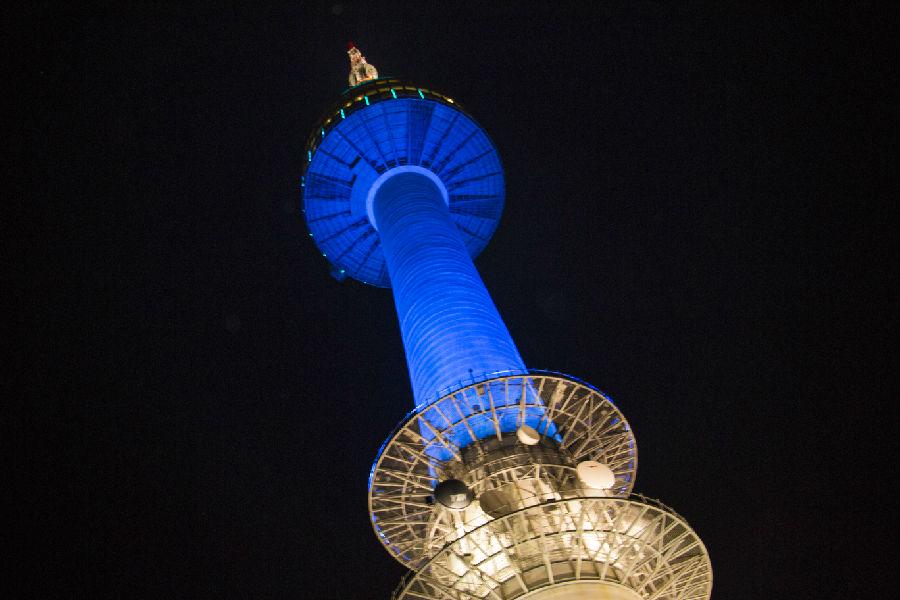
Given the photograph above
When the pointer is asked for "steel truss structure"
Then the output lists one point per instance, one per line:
(634, 542)
(586, 426)
(517, 484)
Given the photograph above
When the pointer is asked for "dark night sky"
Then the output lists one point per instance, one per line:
(698, 221)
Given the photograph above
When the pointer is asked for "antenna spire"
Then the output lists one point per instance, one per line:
(360, 70)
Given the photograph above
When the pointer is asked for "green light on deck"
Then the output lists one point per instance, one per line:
(342, 114)
(366, 98)
(421, 95)
(393, 93)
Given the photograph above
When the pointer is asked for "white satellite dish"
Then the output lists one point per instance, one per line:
(527, 435)
(596, 475)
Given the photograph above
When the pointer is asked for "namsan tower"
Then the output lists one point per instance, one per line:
(503, 482)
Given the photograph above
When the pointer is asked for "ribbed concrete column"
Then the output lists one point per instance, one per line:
(451, 329)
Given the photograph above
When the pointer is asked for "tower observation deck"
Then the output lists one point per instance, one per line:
(502, 482)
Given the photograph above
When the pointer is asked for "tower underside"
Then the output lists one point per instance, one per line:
(502, 483)
(381, 125)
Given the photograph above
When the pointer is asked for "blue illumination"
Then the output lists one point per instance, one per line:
(309, 156)
(448, 321)
(423, 249)
(372, 140)
(323, 132)
(460, 435)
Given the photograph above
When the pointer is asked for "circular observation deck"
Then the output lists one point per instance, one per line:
(575, 421)
(381, 125)
(612, 548)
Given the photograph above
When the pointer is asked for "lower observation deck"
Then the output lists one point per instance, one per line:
(607, 548)
(575, 422)
(375, 127)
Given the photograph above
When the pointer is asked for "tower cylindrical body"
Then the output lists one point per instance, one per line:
(451, 329)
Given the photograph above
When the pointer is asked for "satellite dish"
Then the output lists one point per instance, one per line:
(527, 435)
(596, 475)
(453, 494)
(494, 502)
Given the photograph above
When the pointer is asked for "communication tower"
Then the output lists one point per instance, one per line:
(502, 482)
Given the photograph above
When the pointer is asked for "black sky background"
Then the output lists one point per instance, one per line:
(699, 221)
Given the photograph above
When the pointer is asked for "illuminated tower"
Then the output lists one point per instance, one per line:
(502, 482)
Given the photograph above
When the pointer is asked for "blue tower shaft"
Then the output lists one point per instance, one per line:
(451, 329)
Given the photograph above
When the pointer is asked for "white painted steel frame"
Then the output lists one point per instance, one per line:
(634, 542)
(588, 424)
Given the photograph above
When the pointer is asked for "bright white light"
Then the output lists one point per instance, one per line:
(528, 435)
(595, 475)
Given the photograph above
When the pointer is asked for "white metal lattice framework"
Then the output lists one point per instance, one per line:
(634, 542)
(576, 423)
